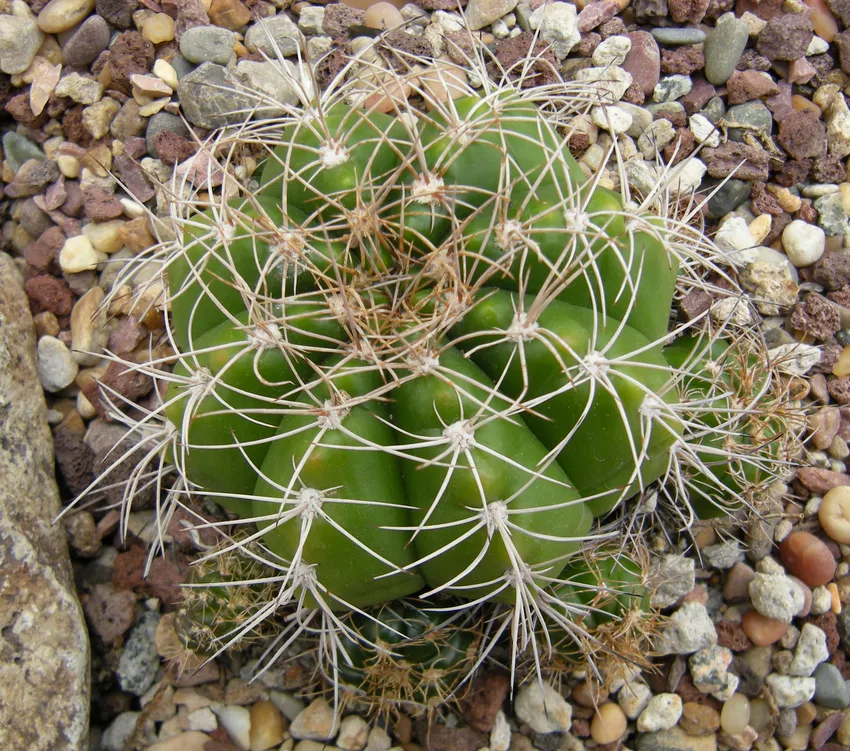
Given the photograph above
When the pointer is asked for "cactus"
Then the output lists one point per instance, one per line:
(421, 352)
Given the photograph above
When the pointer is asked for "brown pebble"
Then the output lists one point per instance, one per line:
(762, 630)
(807, 558)
(699, 719)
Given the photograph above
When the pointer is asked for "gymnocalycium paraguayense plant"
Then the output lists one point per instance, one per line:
(421, 351)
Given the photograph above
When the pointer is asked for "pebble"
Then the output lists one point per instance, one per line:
(61, 15)
(158, 28)
(57, 368)
(612, 51)
(633, 698)
(268, 727)
(139, 662)
(662, 713)
(202, 719)
(834, 514)
(481, 13)
(672, 35)
(207, 44)
(542, 708)
(675, 576)
(776, 596)
(671, 88)
(86, 43)
(78, 254)
(165, 72)
(88, 328)
(761, 630)
(211, 97)
(735, 715)
(236, 721)
(278, 80)
(188, 741)
(724, 46)
(611, 118)
(709, 671)
(115, 737)
(690, 628)
(811, 651)
(807, 558)
(557, 23)
(831, 690)
(316, 722)
(790, 691)
(18, 149)
(608, 724)
(353, 733)
(500, 733)
(20, 39)
(163, 122)
(79, 89)
(275, 33)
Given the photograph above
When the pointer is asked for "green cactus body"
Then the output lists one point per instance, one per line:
(463, 361)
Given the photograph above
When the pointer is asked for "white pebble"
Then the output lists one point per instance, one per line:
(662, 713)
(804, 243)
(353, 733)
(811, 651)
(704, 130)
(237, 722)
(633, 698)
(612, 119)
(500, 735)
(78, 254)
(789, 691)
(611, 51)
(542, 708)
(57, 367)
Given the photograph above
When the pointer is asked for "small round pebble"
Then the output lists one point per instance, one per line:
(761, 630)
(57, 368)
(735, 715)
(61, 15)
(158, 28)
(608, 724)
(808, 558)
(804, 243)
(662, 713)
(834, 514)
(78, 254)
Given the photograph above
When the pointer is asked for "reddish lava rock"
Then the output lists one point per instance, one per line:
(807, 558)
(49, 293)
(485, 699)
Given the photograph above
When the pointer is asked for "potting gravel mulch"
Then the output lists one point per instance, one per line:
(103, 99)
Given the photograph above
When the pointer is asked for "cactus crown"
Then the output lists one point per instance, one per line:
(420, 351)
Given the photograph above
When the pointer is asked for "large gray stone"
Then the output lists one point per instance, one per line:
(212, 97)
(44, 648)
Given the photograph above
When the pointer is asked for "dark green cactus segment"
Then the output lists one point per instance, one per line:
(327, 494)
(234, 381)
(577, 408)
(486, 497)
(406, 655)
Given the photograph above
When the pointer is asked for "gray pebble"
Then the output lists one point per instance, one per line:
(672, 35)
(831, 216)
(20, 39)
(714, 110)
(57, 368)
(87, 42)
(207, 44)
(831, 690)
(724, 46)
(754, 114)
(670, 88)
(689, 629)
(182, 67)
(724, 555)
(730, 195)
(776, 596)
(278, 35)
(18, 149)
(116, 736)
(212, 97)
(139, 661)
(163, 121)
